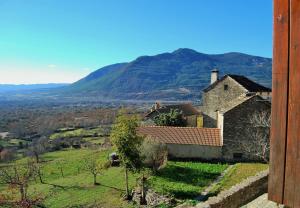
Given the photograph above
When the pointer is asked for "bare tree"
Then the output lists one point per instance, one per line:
(154, 153)
(7, 155)
(95, 167)
(60, 164)
(18, 177)
(37, 148)
(259, 132)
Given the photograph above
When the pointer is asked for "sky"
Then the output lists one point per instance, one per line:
(61, 41)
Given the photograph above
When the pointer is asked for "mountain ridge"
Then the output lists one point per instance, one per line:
(179, 75)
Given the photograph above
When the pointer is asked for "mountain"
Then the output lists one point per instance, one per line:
(7, 88)
(179, 75)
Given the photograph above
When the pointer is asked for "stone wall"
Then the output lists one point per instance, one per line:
(238, 128)
(191, 121)
(194, 151)
(240, 194)
(216, 99)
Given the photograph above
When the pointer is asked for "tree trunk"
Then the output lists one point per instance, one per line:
(143, 200)
(126, 180)
(22, 192)
(37, 157)
(61, 171)
(40, 176)
(95, 179)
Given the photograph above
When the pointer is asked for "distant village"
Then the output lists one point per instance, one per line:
(231, 124)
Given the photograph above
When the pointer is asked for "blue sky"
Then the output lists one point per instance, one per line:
(43, 41)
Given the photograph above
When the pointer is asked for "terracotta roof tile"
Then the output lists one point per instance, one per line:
(183, 135)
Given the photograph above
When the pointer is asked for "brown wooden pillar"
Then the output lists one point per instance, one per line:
(284, 180)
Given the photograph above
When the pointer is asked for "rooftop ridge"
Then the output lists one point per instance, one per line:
(182, 127)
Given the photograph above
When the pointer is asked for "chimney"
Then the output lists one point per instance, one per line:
(156, 105)
(214, 76)
(220, 123)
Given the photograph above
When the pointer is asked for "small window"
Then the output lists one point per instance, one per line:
(237, 155)
(226, 87)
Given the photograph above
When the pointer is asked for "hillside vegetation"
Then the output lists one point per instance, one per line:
(181, 75)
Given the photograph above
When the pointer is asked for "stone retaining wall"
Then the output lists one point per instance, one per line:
(239, 194)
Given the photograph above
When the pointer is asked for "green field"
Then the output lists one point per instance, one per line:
(185, 180)
(76, 188)
(12, 142)
(237, 174)
(182, 180)
(77, 133)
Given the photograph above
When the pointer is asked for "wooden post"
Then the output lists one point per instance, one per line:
(284, 180)
(279, 99)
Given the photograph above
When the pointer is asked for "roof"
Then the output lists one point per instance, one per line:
(248, 84)
(183, 135)
(235, 102)
(187, 109)
(241, 99)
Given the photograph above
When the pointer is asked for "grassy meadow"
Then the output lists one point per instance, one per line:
(68, 184)
(185, 180)
(76, 188)
(237, 174)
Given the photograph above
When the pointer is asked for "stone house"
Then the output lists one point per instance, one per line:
(190, 114)
(238, 132)
(187, 142)
(228, 105)
(222, 93)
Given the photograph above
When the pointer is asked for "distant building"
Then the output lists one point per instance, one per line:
(190, 114)
(222, 123)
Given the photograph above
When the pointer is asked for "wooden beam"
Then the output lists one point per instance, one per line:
(280, 74)
(292, 175)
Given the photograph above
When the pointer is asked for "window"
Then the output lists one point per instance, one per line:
(237, 155)
(226, 87)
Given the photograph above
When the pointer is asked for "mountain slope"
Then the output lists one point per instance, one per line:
(179, 75)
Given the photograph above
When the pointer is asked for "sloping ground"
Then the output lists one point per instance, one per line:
(75, 188)
(185, 180)
(237, 174)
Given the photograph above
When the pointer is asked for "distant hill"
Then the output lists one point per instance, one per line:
(7, 88)
(179, 75)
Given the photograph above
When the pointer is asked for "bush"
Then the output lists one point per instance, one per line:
(154, 153)
(173, 118)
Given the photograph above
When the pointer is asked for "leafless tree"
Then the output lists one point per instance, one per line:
(95, 167)
(259, 132)
(7, 155)
(154, 153)
(18, 177)
(37, 148)
(60, 164)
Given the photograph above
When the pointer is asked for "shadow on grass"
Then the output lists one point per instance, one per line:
(65, 187)
(115, 188)
(81, 187)
(196, 177)
(184, 194)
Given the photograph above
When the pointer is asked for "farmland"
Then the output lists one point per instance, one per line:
(182, 180)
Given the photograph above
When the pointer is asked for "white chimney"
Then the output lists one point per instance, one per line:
(214, 76)
(156, 105)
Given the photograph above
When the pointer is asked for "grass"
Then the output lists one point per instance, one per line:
(12, 142)
(237, 174)
(94, 140)
(76, 187)
(185, 180)
(77, 133)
